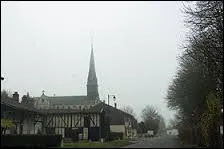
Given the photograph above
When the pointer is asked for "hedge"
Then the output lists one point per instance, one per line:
(30, 140)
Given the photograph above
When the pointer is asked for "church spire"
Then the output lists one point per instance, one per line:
(92, 86)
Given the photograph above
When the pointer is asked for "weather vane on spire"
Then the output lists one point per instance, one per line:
(91, 35)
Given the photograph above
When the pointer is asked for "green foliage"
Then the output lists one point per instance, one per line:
(7, 123)
(210, 116)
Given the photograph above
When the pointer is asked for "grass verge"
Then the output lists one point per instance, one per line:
(83, 144)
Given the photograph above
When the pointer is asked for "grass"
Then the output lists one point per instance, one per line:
(86, 144)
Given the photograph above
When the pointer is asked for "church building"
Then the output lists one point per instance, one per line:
(73, 102)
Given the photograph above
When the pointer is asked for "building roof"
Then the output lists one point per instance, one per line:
(67, 100)
(118, 117)
(11, 103)
(58, 111)
(14, 104)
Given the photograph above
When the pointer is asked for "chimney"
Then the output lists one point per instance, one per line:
(115, 105)
(16, 97)
(24, 99)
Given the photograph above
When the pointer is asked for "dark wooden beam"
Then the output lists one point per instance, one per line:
(79, 120)
(92, 119)
(63, 119)
(51, 116)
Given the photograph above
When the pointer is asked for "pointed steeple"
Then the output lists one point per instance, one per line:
(92, 86)
(92, 71)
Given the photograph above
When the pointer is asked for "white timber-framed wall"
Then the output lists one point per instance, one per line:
(59, 121)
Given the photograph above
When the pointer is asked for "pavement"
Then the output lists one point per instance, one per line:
(166, 141)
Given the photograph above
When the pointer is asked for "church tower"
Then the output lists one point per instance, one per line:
(92, 87)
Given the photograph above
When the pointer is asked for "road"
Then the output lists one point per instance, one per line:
(157, 142)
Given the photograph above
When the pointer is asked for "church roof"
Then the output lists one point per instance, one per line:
(67, 100)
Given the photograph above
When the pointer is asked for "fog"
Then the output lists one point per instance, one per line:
(46, 46)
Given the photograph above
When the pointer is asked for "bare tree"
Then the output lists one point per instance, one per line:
(151, 118)
(129, 110)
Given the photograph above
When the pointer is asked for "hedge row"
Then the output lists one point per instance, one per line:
(11, 140)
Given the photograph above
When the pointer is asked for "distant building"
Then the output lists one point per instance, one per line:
(172, 132)
(150, 132)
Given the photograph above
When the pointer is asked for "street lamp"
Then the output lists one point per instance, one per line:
(109, 98)
(2, 78)
(109, 114)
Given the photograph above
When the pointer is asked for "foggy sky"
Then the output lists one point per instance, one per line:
(47, 45)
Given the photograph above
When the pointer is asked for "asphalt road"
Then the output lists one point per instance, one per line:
(157, 142)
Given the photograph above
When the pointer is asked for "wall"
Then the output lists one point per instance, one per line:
(118, 128)
(172, 132)
(28, 126)
(121, 128)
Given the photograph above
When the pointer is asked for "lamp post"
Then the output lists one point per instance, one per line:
(108, 119)
(109, 98)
